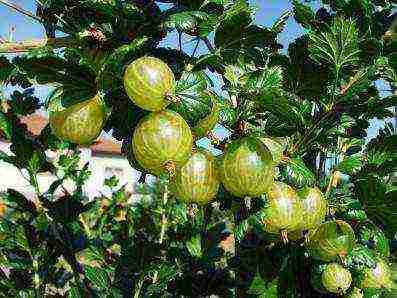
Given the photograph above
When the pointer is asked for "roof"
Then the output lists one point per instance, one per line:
(37, 122)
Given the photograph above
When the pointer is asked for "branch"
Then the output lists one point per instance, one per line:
(25, 46)
(27, 13)
(20, 9)
(208, 44)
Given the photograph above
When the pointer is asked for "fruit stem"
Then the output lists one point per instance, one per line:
(163, 215)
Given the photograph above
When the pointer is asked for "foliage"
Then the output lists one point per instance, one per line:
(315, 100)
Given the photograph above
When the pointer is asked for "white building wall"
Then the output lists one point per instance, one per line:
(101, 167)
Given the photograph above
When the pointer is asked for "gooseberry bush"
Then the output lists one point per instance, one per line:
(289, 198)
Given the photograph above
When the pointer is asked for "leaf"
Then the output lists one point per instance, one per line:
(111, 182)
(360, 257)
(236, 31)
(6, 68)
(194, 246)
(280, 23)
(195, 103)
(191, 22)
(5, 126)
(24, 103)
(338, 46)
(98, 277)
(350, 164)
(303, 14)
(265, 80)
(377, 201)
(284, 109)
(298, 173)
(263, 289)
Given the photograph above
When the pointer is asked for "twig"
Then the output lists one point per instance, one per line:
(25, 46)
(163, 215)
(180, 40)
(20, 9)
(208, 44)
(195, 48)
(26, 13)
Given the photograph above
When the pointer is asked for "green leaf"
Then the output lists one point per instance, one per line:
(350, 165)
(373, 237)
(284, 109)
(263, 289)
(234, 22)
(265, 80)
(195, 103)
(360, 257)
(303, 14)
(192, 22)
(5, 126)
(338, 46)
(298, 173)
(194, 246)
(111, 182)
(236, 31)
(98, 277)
(280, 23)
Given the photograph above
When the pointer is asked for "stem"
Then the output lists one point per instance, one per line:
(163, 215)
(208, 44)
(195, 48)
(138, 288)
(180, 40)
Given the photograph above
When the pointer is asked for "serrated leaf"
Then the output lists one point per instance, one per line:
(265, 80)
(195, 104)
(338, 46)
(6, 68)
(284, 109)
(191, 22)
(350, 165)
(235, 30)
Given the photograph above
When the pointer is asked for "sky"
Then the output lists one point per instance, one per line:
(267, 12)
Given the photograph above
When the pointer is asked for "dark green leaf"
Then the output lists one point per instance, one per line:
(191, 22)
(195, 103)
(350, 165)
(6, 68)
(266, 80)
(303, 14)
(338, 46)
(360, 257)
(284, 109)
